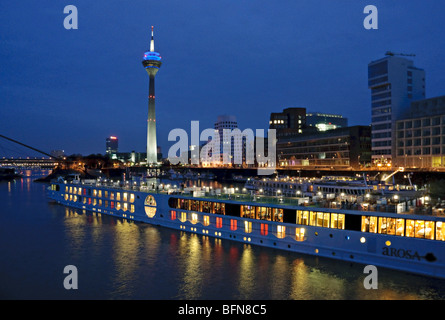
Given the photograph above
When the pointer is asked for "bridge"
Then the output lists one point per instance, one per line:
(48, 162)
(29, 163)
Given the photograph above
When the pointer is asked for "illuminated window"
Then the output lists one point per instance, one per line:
(429, 230)
(247, 226)
(281, 232)
(106, 194)
(264, 229)
(419, 229)
(111, 195)
(391, 226)
(194, 218)
(233, 224)
(206, 220)
(75, 190)
(112, 204)
(150, 201)
(118, 205)
(365, 224)
(172, 215)
(125, 196)
(118, 196)
(382, 225)
(80, 192)
(131, 197)
(66, 196)
(132, 208)
(150, 206)
(99, 202)
(312, 218)
(99, 194)
(149, 211)
(400, 227)
(278, 215)
(125, 206)
(89, 200)
(319, 218)
(334, 220)
(440, 231)
(299, 234)
(75, 198)
(219, 222)
(341, 221)
(94, 201)
(106, 204)
(305, 219)
(183, 217)
(299, 216)
(94, 193)
(326, 220)
(373, 224)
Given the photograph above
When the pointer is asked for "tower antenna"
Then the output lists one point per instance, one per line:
(152, 42)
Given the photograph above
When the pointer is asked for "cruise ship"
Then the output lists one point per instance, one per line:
(408, 242)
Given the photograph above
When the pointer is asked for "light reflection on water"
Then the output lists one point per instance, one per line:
(120, 259)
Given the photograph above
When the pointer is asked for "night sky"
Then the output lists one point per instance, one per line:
(70, 89)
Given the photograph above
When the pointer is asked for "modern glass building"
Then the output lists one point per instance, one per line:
(394, 82)
(341, 148)
(420, 135)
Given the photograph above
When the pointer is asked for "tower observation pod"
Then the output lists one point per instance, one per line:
(152, 63)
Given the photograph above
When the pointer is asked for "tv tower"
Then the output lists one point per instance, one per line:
(152, 63)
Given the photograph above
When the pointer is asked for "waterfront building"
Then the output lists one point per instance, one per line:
(340, 148)
(290, 122)
(394, 82)
(420, 135)
(111, 146)
(325, 121)
(152, 63)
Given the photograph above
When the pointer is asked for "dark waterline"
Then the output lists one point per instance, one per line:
(120, 259)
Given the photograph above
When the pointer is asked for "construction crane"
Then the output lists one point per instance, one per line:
(389, 53)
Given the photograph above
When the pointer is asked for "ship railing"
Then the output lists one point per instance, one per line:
(268, 199)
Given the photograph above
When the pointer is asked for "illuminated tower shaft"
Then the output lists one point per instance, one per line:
(152, 63)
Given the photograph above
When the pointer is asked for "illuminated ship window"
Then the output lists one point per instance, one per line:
(150, 206)
(150, 212)
(150, 201)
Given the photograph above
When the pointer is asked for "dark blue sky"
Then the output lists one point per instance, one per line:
(70, 89)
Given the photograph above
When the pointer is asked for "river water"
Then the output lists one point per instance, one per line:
(120, 259)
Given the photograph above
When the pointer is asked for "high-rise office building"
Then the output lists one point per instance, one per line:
(111, 146)
(394, 82)
(152, 63)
